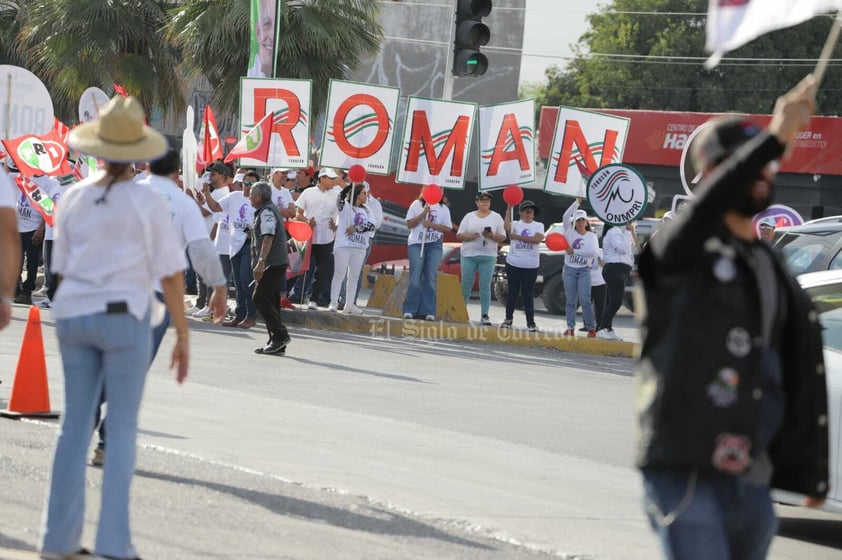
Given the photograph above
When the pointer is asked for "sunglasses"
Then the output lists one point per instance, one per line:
(248, 183)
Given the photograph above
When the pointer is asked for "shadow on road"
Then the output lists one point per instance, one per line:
(379, 521)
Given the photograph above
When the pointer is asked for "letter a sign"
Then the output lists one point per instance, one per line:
(435, 142)
(507, 144)
(583, 142)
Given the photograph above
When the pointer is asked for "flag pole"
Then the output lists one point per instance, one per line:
(827, 50)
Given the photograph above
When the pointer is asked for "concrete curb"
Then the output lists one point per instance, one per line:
(438, 331)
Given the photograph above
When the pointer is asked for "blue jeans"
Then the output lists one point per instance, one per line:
(243, 276)
(423, 274)
(726, 517)
(577, 291)
(484, 265)
(100, 349)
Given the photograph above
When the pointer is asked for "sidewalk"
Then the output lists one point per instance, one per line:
(549, 335)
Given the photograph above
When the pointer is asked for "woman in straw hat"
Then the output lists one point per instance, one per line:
(113, 240)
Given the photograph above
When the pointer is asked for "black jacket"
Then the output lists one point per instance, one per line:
(702, 317)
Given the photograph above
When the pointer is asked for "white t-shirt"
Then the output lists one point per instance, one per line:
(320, 205)
(113, 251)
(282, 198)
(8, 190)
(29, 218)
(596, 270)
(358, 216)
(376, 214)
(523, 254)
(438, 214)
(240, 214)
(222, 241)
(618, 244)
(480, 247)
(56, 190)
(585, 246)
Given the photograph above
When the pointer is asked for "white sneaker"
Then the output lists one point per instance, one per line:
(407, 315)
(202, 313)
(193, 310)
(312, 305)
(607, 335)
(351, 309)
(429, 317)
(40, 293)
(331, 308)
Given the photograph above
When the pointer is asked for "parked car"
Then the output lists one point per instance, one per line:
(812, 247)
(825, 289)
(451, 263)
(550, 286)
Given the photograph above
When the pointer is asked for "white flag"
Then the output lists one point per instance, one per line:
(733, 23)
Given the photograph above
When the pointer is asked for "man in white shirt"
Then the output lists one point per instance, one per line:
(220, 177)
(317, 206)
(239, 214)
(9, 247)
(281, 195)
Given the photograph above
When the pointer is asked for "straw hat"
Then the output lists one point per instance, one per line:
(119, 135)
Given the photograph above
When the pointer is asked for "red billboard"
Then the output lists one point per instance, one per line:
(658, 137)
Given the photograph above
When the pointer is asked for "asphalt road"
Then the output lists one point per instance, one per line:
(355, 446)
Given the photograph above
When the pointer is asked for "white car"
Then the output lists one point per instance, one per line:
(825, 289)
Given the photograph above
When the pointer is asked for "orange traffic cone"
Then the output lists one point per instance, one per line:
(30, 396)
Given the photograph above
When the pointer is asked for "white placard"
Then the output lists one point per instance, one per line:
(617, 193)
(360, 126)
(435, 142)
(583, 140)
(92, 101)
(31, 107)
(507, 144)
(290, 100)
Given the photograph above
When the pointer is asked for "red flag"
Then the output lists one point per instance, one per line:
(61, 129)
(39, 155)
(119, 89)
(211, 148)
(38, 197)
(255, 144)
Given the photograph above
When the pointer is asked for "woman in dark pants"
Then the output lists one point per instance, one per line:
(522, 261)
(618, 246)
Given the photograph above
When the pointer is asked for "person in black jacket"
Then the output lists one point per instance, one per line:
(731, 389)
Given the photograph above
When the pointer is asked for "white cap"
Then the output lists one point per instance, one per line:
(279, 170)
(768, 221)
(238, 178)
(292, 174)
(328, 172)
(579, 214)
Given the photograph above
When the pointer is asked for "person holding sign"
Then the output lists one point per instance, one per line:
(427, 225)
(354, 226)
(732, 397)
(480, 232)
(582, 249)
(522, 261)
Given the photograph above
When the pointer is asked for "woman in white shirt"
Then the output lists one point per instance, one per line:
(427, 225)
(618, 246)
(113, 240)
(353, 226)
(581, 250)
(522, 261)
(480, 232)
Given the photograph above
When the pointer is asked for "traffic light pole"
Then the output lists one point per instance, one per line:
(449, 78)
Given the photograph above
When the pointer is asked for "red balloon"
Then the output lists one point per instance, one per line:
(432, 194)
(556, 242)
(356, 173)
(513, 195)
(299, 231)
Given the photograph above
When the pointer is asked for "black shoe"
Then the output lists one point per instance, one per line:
(584, 329)
(531, 327)
(24, 297)
(485, 321)
(506, 324)
(277, 347)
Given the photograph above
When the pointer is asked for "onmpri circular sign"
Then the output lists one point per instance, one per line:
(617, 193)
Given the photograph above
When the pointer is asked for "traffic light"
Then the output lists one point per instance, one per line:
(471, 34)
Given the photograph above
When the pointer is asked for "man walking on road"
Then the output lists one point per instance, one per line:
(270, 261)
(732, 396)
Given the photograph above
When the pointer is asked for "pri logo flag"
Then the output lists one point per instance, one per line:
(39, 155)
(38, 197)
(62, 130)
(733, 23)
(255, 144)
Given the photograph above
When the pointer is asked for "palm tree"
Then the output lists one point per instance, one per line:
(319, 40)
(73, 45)
(9, 27)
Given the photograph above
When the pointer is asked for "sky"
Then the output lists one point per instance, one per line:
(551, 26)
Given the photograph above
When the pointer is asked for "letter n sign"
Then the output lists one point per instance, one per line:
(584, 141)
